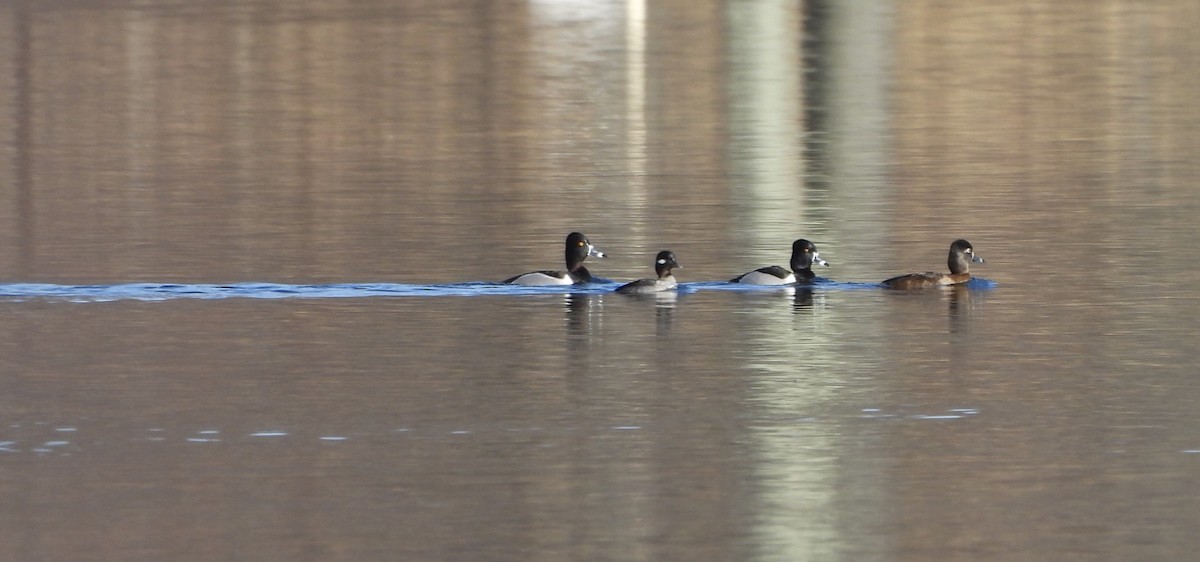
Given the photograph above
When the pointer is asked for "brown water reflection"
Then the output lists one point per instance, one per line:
(437, 142)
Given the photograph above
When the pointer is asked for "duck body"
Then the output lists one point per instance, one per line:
(645, 286)
(925, 280)
(770, 275)
(548, 277)
(577, 249)
(804, 255)
(664, 262)
(962, 254)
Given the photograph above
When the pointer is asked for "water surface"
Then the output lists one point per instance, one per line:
(249, 253)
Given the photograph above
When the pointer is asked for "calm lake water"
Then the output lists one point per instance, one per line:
(248, 254)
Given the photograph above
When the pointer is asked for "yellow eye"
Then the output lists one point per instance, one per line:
(581, 244)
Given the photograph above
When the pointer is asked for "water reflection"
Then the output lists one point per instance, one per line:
(802, 299)
(585, 315)
(664, 308)
(767, 124)
(964, 305)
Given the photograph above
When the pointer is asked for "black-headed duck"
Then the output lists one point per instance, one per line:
(804, 256)
(578, 248)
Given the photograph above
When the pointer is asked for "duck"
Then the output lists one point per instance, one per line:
(804, 255)
(578, 248)
(664, 262)
(961, 256)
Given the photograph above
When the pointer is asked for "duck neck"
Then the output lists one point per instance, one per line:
(803, 268)
(959, 263)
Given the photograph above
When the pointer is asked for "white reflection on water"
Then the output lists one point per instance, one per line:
(635, 100)
(766, 120)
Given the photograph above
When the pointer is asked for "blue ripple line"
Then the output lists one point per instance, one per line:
(169, 291)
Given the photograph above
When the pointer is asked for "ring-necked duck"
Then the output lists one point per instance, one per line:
(664, 262)
(578, 248)
(804, 255)
(961, 256)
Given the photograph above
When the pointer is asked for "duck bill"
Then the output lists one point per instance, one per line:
(594, 251)
(818, 261)
(976, 259)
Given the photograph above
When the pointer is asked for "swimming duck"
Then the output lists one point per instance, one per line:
(961, 256)
(804, 255)
(664, 262)
(578, 248)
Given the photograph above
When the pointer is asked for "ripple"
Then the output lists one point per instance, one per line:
(269, 434)
(169, 291)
